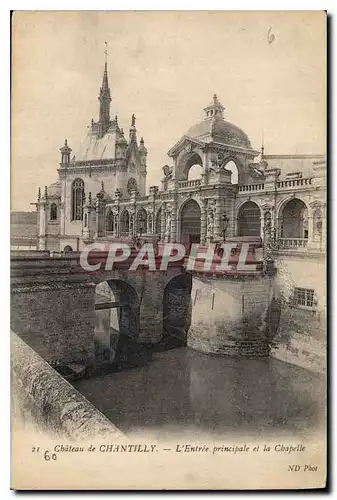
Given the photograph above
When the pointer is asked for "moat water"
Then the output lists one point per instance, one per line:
(183, 391)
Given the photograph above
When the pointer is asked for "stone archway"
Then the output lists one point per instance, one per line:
(232, 167)
(187, 163)
(293, 220)
(117, 326)
(190, 222)
(249, 220)
(177, 310)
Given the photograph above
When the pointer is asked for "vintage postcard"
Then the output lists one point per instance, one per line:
(168, 250)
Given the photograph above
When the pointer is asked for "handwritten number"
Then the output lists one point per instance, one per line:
(271, 36)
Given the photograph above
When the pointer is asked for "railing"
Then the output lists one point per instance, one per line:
(294, 183)
(251, 187)
(192, 183)
(291, 243)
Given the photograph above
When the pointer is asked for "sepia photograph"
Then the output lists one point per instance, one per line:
(168, 250)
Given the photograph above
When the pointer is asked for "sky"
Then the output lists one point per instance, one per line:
(164, 67)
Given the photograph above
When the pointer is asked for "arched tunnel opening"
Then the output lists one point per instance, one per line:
(117, 327)
(176, 311)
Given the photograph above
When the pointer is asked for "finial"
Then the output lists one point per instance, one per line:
(65, 142)
(92, 121)
(102, 186)
(116, 119)
(142, 140)
(215, 97)
(89, 197)
(106, 53)
(39, 194)
(121, 131)
(133, 120)
(45, 192)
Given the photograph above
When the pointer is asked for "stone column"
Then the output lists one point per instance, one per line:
(203, 227)
(162, 222)
(310, 228)
(174, 220)
(262, 225)
(217, 216)
(42, 207)
(100, 222)
(116, 212)
(87, 219)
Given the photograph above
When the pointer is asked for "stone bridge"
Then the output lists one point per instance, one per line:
(80, 321)
(55, 304)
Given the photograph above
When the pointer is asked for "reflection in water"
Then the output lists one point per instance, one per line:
(183, 391)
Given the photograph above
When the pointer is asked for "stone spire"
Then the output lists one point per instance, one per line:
(104, 99)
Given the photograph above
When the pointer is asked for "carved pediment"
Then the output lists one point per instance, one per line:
(185, 145)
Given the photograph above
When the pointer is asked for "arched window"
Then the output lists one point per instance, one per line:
(110, 222)
(124, 223)
(234, 169)
(249, 220)
(294, 220)
(53, 211)
(141, 221)
(77, 199)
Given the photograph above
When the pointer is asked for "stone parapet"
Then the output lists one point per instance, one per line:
(42, 397)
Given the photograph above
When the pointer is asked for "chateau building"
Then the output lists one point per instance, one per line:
(240, 193)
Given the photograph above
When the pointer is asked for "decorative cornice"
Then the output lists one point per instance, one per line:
(294, 157)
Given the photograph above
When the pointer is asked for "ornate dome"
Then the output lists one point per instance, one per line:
(219, 130)
(215, 128)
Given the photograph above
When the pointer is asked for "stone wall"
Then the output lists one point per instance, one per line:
(231, 316)
(52, 309)
(42, 397)
(301, 338)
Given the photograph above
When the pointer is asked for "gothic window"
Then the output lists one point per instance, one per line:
(110, 222)
(132, 185)
(77, 198)
(53, 211)
(141, 221)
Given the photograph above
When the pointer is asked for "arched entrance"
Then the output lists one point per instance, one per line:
(190, 223)
(177, 310)
(249, 220)
(294, 220)
(117, 325)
